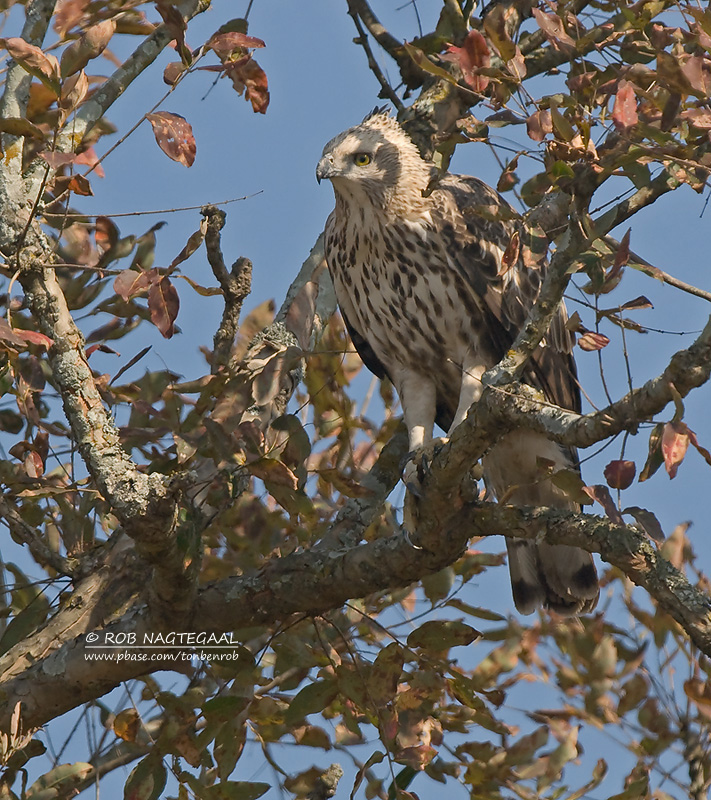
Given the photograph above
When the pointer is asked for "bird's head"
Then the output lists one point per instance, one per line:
(374, 162)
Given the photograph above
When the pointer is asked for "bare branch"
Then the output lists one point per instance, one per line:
(381, 34)
(387, 90)
(655, 272)
(236, 285)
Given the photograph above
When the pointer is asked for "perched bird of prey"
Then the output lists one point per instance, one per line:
(429, 303)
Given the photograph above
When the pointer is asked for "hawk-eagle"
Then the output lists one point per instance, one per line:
(428, 301)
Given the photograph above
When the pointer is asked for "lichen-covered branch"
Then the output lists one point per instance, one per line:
(316, 581)
(235, 284)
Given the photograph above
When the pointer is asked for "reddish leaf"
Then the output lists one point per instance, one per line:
(590, 341)
(106, 234)
(225, 44)
(33, 464)
(539, 124)
(624, 111)
(675, 443)
(648, 521)
(90, 159)
(89, 45)
(512, 252)
(699, 79)
(698, 117)
(173, 71)
(129, 282)
(620, 474)
(58, 160)
(21, 338)
(43, 66)
(174, 136)
(703, 452)
(470, 58)
(163, 303)
(552, 26)
(601, 494)
(34, 337)
(251, 78)
(103, 348)
(8, 334)
(73, 183)
(417, 757)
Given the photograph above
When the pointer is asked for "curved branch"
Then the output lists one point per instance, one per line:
(318, 580)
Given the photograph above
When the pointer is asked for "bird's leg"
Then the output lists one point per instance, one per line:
(469, 393)
(418, 398)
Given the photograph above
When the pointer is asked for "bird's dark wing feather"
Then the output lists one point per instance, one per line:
(365, 351)
(477, 221)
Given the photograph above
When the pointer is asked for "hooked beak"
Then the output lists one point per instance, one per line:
(325, 169)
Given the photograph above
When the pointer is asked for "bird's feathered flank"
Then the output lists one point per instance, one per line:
(420, 279)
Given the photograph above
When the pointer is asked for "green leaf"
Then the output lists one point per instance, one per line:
(385, 674)
(438, 635)
(147, 779)
(234, 790)
(59, 781)
(314, 697)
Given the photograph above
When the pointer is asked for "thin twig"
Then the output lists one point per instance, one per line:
(387, 91)
(49, 216)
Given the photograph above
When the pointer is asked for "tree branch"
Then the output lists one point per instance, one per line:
(316, 581)
(29, 536)
(386, 90)
(236, 285)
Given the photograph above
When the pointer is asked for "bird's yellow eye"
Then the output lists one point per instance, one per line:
(361, 159)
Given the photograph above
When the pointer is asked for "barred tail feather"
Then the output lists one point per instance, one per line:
(557, 577)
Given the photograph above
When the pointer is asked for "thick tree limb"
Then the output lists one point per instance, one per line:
(318, 580)
(502, 408)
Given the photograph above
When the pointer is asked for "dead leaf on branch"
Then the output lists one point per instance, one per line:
(539, 124)
(163, 303)
(225, 44)
(675, 443)
(601, 494)
(174, 136)
(131, 282)
(88, 46)
(591, 341)
(624, 110)
(619, 474)
(471, 58)
(42, 66)
(552, 26)
(22, 338)
(647, 521)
